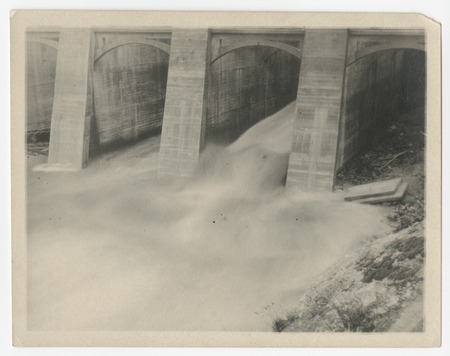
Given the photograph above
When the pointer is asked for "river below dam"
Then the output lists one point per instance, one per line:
(114, 247)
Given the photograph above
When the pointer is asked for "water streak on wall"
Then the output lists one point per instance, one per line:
(41, 67)
(129, 93)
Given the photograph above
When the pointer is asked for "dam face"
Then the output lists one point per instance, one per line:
(93, 90)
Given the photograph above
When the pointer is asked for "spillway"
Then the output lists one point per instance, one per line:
(114, 247)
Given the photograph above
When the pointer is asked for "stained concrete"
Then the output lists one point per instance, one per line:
(72, 107)
(41, 69)
(316, 122)
(397, 195)
(372, 189)
(207, 95)
(129, 92)
(185, 108)
(246, 86)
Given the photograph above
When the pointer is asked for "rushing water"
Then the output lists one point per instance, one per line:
(113, 247)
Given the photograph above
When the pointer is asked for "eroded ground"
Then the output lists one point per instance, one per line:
(378, 287)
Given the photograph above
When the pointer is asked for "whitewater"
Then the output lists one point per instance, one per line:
(115, 247)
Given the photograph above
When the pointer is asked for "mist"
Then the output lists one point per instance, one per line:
(115, 247)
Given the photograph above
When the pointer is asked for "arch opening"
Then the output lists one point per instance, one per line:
(382, 132)
(257, 43)
(41, 57)
(146, 42)
(247, 85)
(46, 41)
(129, 82)
(373, 50)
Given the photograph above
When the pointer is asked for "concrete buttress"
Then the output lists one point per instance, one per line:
(316, 124)
(72, 104)
(184, 119)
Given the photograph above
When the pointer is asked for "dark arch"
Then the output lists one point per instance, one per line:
(387, 46)
(258, 42)
(46, 41)
(148, 42)
(274, 84)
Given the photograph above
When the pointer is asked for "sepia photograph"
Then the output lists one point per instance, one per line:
(261, 179)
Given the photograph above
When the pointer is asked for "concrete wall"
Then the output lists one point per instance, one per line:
(101, 90)
(41, 68)
(378, 89)
(414, 80)
(247, 85)
(129, 94)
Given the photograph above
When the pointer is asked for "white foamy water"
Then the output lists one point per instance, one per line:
(113, 247)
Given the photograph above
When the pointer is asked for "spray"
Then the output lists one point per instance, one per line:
(113, 247)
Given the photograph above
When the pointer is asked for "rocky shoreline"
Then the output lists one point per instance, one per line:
(377, 288)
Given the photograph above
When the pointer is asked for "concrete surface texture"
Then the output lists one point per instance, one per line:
(100, 89)
(367, 190)
(72, 107)
(316, 125)
(130, 87)
(248, 85)
(41, 69)
(185, 110)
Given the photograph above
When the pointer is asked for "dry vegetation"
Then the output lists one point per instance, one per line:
(366, 291)
(380, 286)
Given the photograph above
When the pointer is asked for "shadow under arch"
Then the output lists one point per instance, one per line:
(384, 84)
(148, 42)
(249, 86)
(364, 52)
(45, 41)
(255, 43)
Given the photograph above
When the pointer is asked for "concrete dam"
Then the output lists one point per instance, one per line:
(182, 161)
(93, 90)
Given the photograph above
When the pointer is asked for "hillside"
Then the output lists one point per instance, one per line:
(377, 288)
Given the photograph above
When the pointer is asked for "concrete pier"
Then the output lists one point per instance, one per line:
(185, 109)
(316, 124)
(72, 105)
(100, 89)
